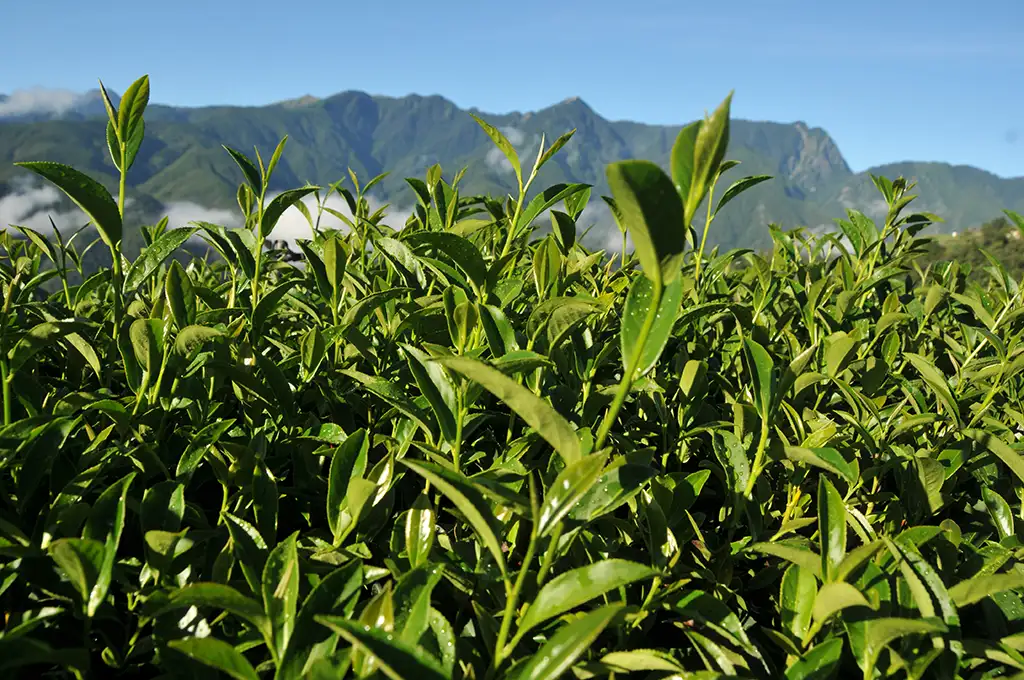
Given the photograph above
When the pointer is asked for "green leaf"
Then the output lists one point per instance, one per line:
(821, 662)
(882, 631)
(838, 355)
(132, 106)
(412, 602)
(502, 143)
(1000, 450)
(808, 559)
(762, 372)
(634, 315)
(20, 651)
(154, 255)
(267, 304)
(653, 213)
(398, 660)
(334, 262)
(709, 145)
(193, 337)
(618, 483)
(394, 396)
(181, 297)
(824, 458)
(216, 654)
(420, 527)
(105, 523)
(220, 597)
(330, 594)
(544, 157)
(348, 461)
(37, 338)
(681, 160)
(738, 187)
(796, 599)
(400, 254)
(571, 485)
(88, 194)
(831, 528)
(147, 337)
(642, 660)
(252, 174)
(999, 509)
(559, 653)
(469, 501)
(281, 591)
(460, 250)
(935, 380)
(578, 586)
(81, 560)
(276, 208)
(982, 586)
(534, 411)
(833, 598)
(438, 389)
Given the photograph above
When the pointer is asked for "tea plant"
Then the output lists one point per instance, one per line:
(458, 448)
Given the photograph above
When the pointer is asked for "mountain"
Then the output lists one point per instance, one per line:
(182, 158)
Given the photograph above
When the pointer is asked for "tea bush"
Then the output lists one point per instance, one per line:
(466, 448)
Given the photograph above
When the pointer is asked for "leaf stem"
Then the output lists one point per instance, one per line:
(510, 606)
(630, 368)
(707, 228)
(5, 376)
(758, 465)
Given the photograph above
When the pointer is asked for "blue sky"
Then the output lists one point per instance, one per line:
(911, 80)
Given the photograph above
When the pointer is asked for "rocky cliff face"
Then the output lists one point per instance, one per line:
(815, 159)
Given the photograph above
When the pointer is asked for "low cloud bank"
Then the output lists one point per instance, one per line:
(40, 100)
(35, 205)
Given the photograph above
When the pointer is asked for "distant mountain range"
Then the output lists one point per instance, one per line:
(182, 159)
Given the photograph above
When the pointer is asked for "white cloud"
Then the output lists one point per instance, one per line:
(293, 225)
(33, 207)
(39, 100)
(180, 213)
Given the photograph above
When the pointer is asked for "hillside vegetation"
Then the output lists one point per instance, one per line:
(465, 450)
(183, 160)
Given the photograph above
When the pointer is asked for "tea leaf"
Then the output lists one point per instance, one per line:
(831, 527)
(653, 213)
(86, 193)
(154, 255)
(638, 303)
(277, 207)
(470, 502)
(568, 488)
(578, 586)
(216, 654)
(570, 641)
(219, 597)
(398, 660)
(281, 591)
(937, 383)
(980, 587)
(419, 531)
(797, 599)
(819, 662)
(537, 413)
(437, 387)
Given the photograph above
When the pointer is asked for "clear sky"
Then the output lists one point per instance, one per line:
(890, 80)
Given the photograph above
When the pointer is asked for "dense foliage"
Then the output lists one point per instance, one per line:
(975, 249)
(458, 450)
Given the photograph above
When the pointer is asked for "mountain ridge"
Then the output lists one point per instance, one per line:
(182, 160)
